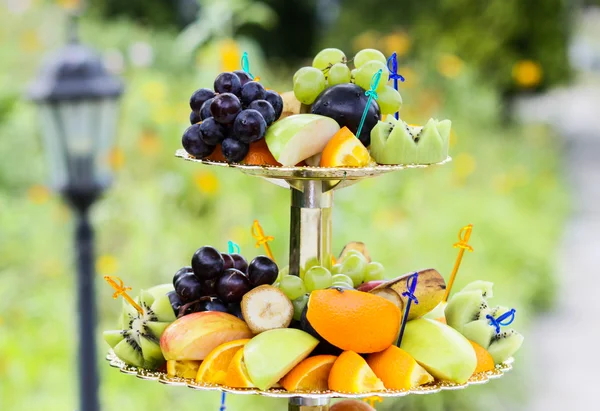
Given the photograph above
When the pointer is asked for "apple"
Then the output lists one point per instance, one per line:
(299, 136)
(194, 336)
(440, 349)
(368, 286)
(272, 354)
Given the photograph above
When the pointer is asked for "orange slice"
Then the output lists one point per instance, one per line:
(345, 150)
(310, 375)
(183, 369)
(237, 375)
(485, 362)
(260, 155)
(214, 367)
(351, 374)
(397, 369)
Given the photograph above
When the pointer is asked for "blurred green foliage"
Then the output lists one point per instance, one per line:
(506, 180)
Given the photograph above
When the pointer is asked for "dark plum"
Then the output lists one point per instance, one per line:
(199, 97)
(265, 109)
(212, 132)
(189, 287)
(205, 109)
(195, 117)
(345, 104)
(225, 108)
(251, 91)
(249, 126)
(234, 150)
(243, 76)
(229, 263)
(232, 286)
(207, 263)
(235, 309)
(276, 102)
(180, 273)
(194, 144)
(262, 270)
(213, 305)
(240, 262)
(227, 83)
(175, 301)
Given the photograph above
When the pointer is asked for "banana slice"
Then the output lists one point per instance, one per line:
(266, 308)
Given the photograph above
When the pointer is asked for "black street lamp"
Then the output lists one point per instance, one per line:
(78, 107)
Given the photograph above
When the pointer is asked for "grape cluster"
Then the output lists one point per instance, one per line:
(349, 273)
(217, 282)
(235, 114)
(330, 68)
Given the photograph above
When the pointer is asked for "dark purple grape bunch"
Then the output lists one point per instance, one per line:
(235, 114)
(217, 282)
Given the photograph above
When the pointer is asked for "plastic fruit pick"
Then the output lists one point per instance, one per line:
(232, 247)
(392, 65)
(376, 398)
(246, 66)
(262, 239)
(372, 94)
(411, 286)
(463, 243)
(121, 290)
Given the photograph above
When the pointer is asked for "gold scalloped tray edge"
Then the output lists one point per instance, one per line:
(431, 388)
(306, 172)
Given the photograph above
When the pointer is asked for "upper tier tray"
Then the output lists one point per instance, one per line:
(431, 388)
(285, 176)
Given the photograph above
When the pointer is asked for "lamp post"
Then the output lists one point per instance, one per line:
(78, 106)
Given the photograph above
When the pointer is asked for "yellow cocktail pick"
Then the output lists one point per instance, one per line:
(121, 290)
(463, 243)
(262, 239)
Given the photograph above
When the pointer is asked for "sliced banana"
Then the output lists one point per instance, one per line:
(266, 308)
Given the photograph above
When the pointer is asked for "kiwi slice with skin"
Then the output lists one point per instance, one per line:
(480, 332)
(504, 345)
(138, 343)
(464, 307)
(486, 287)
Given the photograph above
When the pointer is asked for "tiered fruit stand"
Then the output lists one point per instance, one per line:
(310, 240)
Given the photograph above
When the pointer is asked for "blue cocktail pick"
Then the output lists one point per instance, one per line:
(411, 285)
(509, 316)
(392, 64)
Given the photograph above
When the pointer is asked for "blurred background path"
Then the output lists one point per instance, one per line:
(565, 338)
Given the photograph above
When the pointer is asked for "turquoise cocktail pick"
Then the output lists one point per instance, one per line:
(372, 94)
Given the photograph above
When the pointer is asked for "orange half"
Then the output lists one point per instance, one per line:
(345, 150)
(213, 369)
(310, 375)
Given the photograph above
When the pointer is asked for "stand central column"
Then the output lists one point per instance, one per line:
(310, 225)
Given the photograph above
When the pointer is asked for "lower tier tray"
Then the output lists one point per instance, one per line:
(431, 388)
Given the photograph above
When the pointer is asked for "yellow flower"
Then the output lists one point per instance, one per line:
(465, 165)
(206, 182)
(527, 73)
(450, 66)
(38, 194)
(230, 55)
(107, 265)
(149, 143)
(154, 91)
(365, 40)
(69, 4)
(398, 42)
(30, 41)
(116, 159)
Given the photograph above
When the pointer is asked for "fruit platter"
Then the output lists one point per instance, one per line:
(325, 325)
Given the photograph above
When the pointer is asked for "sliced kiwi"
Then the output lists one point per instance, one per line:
(138, 343)
(504, 345)
(480, 332)
(464, 307)
(113, 337)
(129, 351)
(486, 287)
